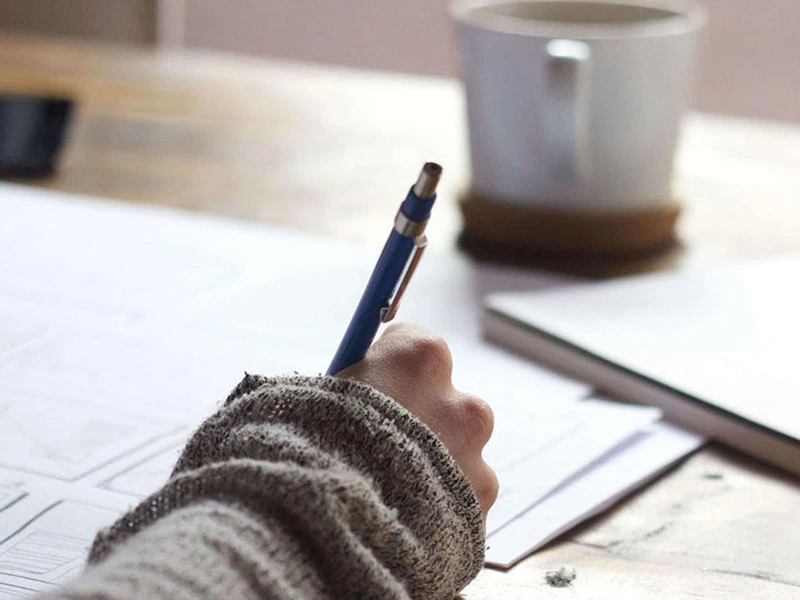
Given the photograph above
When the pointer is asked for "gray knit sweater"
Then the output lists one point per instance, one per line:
(297, 488)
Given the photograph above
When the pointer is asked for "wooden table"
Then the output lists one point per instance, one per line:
(328, 150)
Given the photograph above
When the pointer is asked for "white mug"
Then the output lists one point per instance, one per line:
(576, 105)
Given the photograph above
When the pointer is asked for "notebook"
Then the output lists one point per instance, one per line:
(716, 351)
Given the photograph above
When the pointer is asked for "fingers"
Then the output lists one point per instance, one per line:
(414, 367)
(475, 418)
(411, 365)
(419, 353)
(484, 483)
(474, 422)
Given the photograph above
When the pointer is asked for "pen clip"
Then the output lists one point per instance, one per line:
(388, 312)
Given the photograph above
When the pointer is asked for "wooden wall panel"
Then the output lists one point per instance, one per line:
(130, 21)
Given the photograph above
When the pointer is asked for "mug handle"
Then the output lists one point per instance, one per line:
(568, 73)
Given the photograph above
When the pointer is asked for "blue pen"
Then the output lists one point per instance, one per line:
(377, 305)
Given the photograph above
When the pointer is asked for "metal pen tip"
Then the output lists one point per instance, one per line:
(427, 181)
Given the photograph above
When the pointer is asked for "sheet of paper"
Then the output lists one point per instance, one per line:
(46, 527)
(57, 436)
(306, 300)
(46, 542)
(16, 332)
(528, 470)
(591, 491)
(146, 475)
(10, 492)
(544, 430)
(52, 547)
(110, 258)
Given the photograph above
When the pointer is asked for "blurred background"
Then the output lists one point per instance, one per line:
(750, 67)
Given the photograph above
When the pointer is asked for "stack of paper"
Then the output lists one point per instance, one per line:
(123, 327)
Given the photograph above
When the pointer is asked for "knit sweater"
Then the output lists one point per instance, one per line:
(297, 488)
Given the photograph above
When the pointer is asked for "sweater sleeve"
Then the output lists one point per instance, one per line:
(297, 488)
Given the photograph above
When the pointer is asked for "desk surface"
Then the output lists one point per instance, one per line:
(291, 144)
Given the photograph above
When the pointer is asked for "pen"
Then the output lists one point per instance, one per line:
(377, 305)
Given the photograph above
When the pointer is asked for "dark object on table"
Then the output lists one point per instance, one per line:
(561, 578)
(32, 131)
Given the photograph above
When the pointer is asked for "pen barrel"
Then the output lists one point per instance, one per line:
(367, 318)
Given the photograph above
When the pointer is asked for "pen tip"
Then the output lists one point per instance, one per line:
(428, 180)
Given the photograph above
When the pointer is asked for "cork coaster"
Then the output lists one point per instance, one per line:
(612, 234)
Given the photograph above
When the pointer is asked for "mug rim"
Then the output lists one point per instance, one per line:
(687, 16)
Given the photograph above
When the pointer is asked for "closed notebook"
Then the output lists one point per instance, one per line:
(716, 350)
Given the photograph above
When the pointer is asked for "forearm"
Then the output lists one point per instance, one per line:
(299, 487)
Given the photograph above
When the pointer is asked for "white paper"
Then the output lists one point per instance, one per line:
(9, 494)
(591, 491)
(61, 438)
(47, 528)
(16, 332)
(51, 547)
(527, 477)
(110, 258)
(147, 475)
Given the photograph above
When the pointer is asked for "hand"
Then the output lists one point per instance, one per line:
(414, 367)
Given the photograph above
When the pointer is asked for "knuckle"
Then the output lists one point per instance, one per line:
(487, 488)
(478, 417)
(396, 328)
(426, 356)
